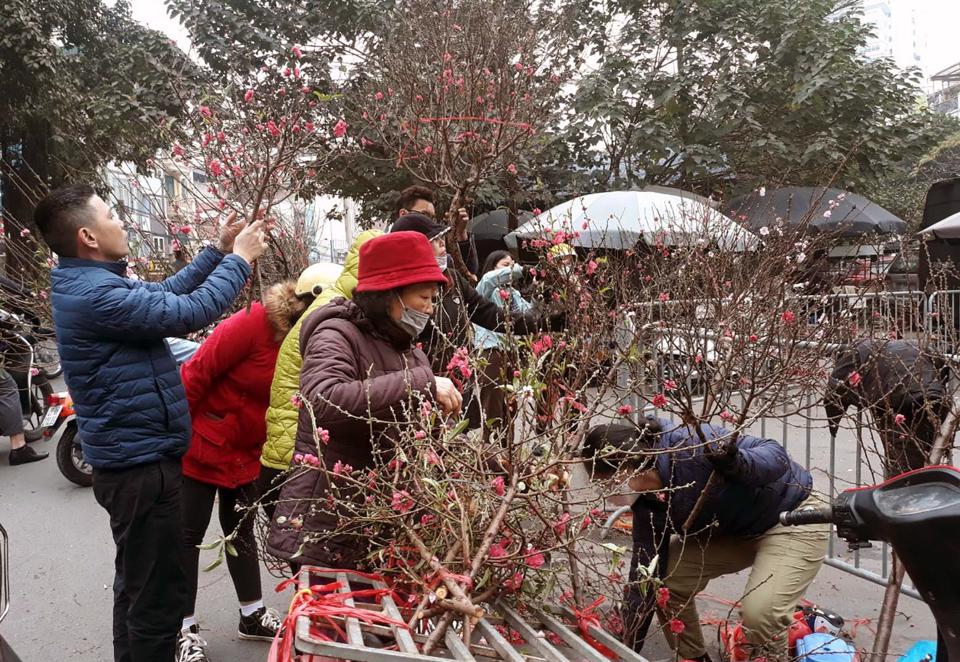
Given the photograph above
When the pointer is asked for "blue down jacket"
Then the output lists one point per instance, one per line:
(747, 502)
(763, 483)
(125, 385)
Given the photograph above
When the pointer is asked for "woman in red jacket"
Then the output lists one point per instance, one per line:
(228, 389)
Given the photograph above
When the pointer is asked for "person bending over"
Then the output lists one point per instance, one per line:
(660, 470)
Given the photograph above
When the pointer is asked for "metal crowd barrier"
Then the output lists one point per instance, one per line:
(854, 457)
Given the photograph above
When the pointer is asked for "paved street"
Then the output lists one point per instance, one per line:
(62, 572)
(62, 568)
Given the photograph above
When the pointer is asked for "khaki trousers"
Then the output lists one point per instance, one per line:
(785, 560)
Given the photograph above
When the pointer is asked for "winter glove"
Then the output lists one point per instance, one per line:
(723, 457)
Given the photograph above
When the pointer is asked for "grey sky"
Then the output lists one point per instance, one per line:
(942, 21)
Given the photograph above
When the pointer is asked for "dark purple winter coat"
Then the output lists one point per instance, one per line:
(352, 371)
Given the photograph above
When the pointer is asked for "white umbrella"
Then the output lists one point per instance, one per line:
(948, 228)
(622, 219)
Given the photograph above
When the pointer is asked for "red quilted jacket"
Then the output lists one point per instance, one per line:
(228, 389)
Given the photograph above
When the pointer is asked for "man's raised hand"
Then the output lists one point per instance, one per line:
(228, 233)
(251, 241)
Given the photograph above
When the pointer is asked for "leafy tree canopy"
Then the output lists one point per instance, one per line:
(83, 84)
(733, 94)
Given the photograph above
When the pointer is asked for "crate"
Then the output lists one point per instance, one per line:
(487, 642)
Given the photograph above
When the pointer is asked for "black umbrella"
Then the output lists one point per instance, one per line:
(493, 225)
(828, 210)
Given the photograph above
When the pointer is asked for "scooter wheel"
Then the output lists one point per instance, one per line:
(70, 459)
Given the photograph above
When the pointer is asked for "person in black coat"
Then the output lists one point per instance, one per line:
(419, 200)
(660, 470)
(905, 389)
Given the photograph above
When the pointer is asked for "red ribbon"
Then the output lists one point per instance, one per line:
(586, 619)
(442, 575)
(323, 603)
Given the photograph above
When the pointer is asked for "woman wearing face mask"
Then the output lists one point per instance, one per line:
(660, 470)
(460, 305)
(499, 277)
(361, 368)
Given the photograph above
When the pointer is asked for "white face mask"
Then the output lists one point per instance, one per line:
(442, 262)
(624, 495)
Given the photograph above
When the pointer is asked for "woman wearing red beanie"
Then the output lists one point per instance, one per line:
(360, 367)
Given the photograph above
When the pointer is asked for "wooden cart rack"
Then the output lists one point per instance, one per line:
(487, 642)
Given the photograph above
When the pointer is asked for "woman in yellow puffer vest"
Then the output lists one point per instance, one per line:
(282, 414)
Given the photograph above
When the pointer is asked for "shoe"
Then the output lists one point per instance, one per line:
(261, 625)
(33, 435)
(191, 646)
(25, 455)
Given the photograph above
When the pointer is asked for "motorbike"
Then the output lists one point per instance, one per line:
(918, 514)
(32, 361)
(70, 461)
(61, 415)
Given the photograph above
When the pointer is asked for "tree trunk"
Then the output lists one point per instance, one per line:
(513, 220)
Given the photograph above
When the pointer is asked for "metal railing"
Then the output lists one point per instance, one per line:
(870, 314)
(4, 573)
(852, 458)
(330, 250)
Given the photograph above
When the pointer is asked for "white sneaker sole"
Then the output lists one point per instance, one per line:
(253, 637)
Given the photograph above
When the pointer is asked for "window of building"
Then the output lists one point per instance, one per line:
(159, 244)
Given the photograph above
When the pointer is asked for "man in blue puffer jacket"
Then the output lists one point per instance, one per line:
(660, 470)
(131, 406)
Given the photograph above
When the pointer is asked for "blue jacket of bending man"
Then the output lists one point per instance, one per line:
(131, 406)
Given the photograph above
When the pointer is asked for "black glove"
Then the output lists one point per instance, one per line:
(723, 456)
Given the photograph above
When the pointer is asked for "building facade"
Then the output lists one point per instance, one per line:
(897, 32)
(945, 96)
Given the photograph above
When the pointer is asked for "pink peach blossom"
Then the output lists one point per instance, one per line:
(535, 558)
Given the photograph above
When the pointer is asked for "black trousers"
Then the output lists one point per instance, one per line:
(907, 446)
(149, 588)
(244, 568)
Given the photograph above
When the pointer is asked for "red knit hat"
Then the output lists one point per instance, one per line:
(396, 260)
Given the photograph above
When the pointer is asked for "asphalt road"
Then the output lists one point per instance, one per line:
(61, 559)
(62, 570)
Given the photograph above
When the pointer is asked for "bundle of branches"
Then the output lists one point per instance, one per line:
(453, 108)
(259, 144)
(685, 331)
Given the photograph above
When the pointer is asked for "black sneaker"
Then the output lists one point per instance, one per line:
(261, 625)
(25, 455)
(191, 646)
